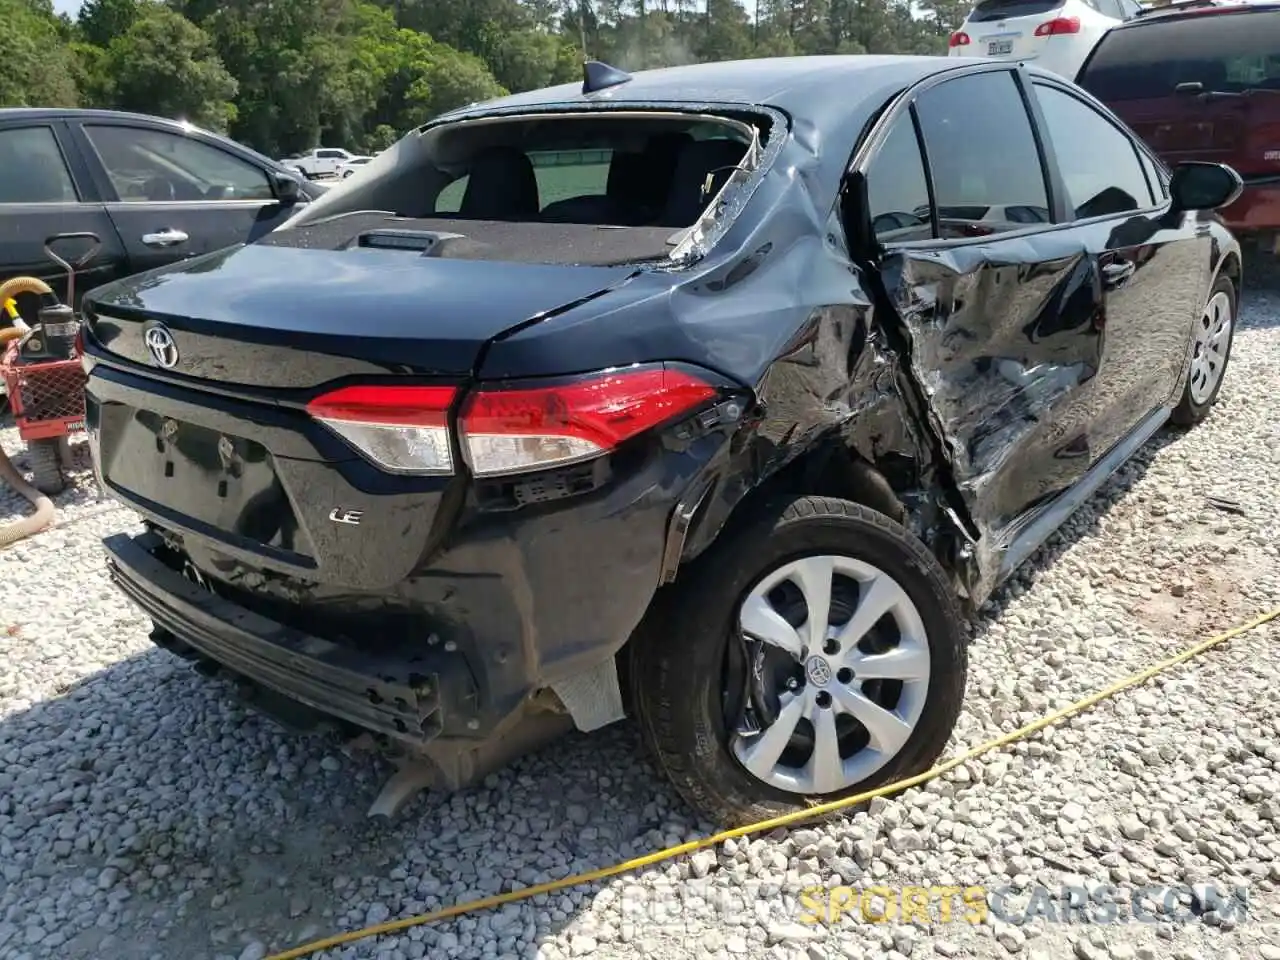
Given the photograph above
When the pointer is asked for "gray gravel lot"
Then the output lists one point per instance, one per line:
(145, 813)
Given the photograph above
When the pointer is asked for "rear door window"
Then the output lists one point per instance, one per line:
(147, 166)
(1099, 163)
(32, 169)
(987, 176)
(1224, 52)
(989, 10)
(897, 192)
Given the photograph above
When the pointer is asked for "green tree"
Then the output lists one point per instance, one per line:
(727, 33)
(37, 68)
(450, 79)
(529, 59)
(92, 77)
(164, 64)
(290, 62)
(101, 21)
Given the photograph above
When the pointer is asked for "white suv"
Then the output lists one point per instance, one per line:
(1056, 34)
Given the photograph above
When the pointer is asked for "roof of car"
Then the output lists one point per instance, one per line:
(800, 86)
(81, 113)
(85, 113)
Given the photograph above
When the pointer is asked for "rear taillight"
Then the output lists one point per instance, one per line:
(509, 429)
(521, 428)
(1059, 25)
(401, 429)
(958, 39)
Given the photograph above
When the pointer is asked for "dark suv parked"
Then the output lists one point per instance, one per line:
(1201, 81)
(755, 373)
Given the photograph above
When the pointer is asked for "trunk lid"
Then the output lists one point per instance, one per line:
(218, 447)
(277, 316)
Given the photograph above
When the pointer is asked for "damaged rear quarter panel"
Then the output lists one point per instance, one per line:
(791, 315)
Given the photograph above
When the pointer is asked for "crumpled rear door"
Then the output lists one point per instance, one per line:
(1006, 343)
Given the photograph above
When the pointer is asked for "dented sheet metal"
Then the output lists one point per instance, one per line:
(961, 389)
(1036, 356)
(1004, 351)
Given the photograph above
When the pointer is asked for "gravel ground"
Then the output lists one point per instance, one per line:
(145, 813)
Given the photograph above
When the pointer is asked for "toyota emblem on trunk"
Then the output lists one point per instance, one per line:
(163, 350)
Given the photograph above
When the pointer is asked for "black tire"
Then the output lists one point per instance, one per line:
(1188, 412)
(678, 654)
(46, 466)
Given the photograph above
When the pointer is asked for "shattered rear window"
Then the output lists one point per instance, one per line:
(647, 178)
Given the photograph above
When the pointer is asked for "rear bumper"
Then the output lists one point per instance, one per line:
(522, 602)
(377, 693)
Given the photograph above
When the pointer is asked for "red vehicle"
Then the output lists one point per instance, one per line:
(1201, 81)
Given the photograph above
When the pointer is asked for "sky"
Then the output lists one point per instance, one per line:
(67, 6)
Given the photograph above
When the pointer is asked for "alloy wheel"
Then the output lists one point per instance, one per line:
(839, 666)
(1209, 353)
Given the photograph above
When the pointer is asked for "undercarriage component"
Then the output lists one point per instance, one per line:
(450, 765)
(371, 692)
(592, 697)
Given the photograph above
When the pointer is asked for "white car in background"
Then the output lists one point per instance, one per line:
(349, 167)
(1056, 35)
(320, 162)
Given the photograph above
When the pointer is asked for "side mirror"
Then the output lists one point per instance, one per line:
(285, 188)
(1196, 185)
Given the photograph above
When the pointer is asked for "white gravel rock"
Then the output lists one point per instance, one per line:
(144, 812)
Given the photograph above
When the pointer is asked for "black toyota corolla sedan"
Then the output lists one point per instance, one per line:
(714, 395)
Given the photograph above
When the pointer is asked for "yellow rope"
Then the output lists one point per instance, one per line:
(822, 809)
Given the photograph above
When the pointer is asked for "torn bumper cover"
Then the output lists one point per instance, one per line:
(532, 602)
(379, 695)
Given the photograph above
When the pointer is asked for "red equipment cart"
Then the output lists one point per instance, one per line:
(44, 378)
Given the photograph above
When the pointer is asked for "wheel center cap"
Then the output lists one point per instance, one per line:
(818, 671)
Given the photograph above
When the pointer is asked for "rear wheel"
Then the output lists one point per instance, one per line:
(1210, 352)
(813, 654)
(46, 465)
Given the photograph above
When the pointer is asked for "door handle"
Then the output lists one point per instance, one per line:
(167, 237)
(1114, 274)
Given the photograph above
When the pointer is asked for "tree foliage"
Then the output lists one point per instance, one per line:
(164, 64)
(286, 75)
(37, 68)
